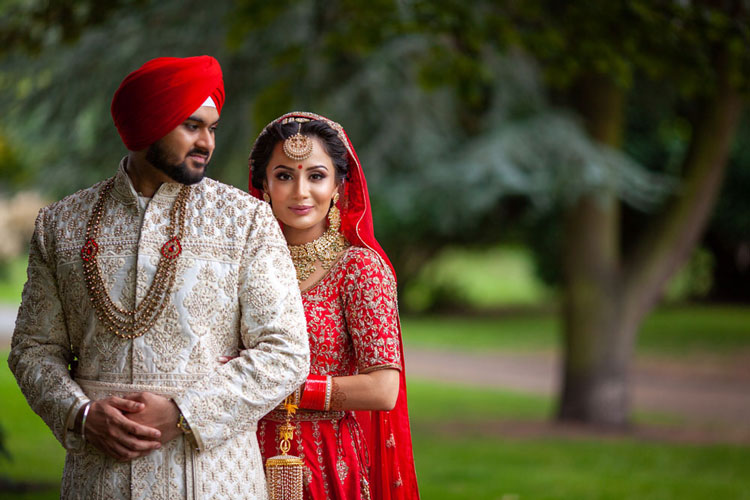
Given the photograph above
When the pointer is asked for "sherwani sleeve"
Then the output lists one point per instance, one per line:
(275, 359)
(41, 349)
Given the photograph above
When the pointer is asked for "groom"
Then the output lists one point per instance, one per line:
(137, 285)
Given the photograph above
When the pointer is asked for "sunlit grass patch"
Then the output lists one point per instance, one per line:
(477, 279)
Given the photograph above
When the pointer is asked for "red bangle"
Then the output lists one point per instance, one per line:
(314, 395)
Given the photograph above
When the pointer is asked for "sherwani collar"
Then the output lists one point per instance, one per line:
(126, 193)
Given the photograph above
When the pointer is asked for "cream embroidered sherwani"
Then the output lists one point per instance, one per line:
(235, 292)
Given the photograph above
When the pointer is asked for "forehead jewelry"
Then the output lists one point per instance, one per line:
(298, 147)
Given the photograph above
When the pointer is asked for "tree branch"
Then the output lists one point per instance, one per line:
(667, 243)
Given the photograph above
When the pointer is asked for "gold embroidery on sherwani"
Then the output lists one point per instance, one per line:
(255, 303)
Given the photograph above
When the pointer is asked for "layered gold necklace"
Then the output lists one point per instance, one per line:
(325, 249)
(132, 323)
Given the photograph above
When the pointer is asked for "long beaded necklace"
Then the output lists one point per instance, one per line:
(133, 323)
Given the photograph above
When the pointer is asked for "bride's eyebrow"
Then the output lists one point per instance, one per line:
(286, 167)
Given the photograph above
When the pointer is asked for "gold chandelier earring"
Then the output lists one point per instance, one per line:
(266, 198)
(334, 216)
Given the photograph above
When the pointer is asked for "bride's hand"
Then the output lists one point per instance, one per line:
(226, 359)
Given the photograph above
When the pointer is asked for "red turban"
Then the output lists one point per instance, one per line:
(154, 99)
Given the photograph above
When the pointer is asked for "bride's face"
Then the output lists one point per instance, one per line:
(301, 192)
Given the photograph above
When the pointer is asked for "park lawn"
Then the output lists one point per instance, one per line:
(499, 467)
(457, 457)
(12, 279)
(460, 462)
(36, 456)
(668, 331)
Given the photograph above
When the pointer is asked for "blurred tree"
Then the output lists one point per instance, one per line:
(699, 48)
(591, 53)
(58, 98)
(34, 25)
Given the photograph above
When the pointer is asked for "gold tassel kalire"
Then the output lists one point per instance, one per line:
(284, 472)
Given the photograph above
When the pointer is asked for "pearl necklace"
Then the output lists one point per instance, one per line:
(133, 323)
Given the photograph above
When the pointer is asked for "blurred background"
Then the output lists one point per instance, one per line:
(563, 188)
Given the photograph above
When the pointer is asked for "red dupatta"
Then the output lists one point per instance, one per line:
(384, 429)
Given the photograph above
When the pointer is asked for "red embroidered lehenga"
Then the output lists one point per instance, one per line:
(353, 326)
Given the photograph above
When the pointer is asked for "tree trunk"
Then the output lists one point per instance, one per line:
(595, 365)
(606, 297)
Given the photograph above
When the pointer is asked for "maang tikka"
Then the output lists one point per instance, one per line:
(298, 147)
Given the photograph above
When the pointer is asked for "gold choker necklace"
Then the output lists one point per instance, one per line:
(132, 323)
(325, 249)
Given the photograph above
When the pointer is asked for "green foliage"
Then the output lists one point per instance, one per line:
(669, 40)
(13, 171)
(33, 25)
(732, 215)
(475, 279)
(694, 280)
(59, 100)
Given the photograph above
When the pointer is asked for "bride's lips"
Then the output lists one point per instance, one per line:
(301, 209)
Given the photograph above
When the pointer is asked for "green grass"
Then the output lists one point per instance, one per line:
(492, 467)
(674, 331)
(467, 461)
(12, 279)
(520, 333)
(432, 403)
(36, 456)
(685, 329)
